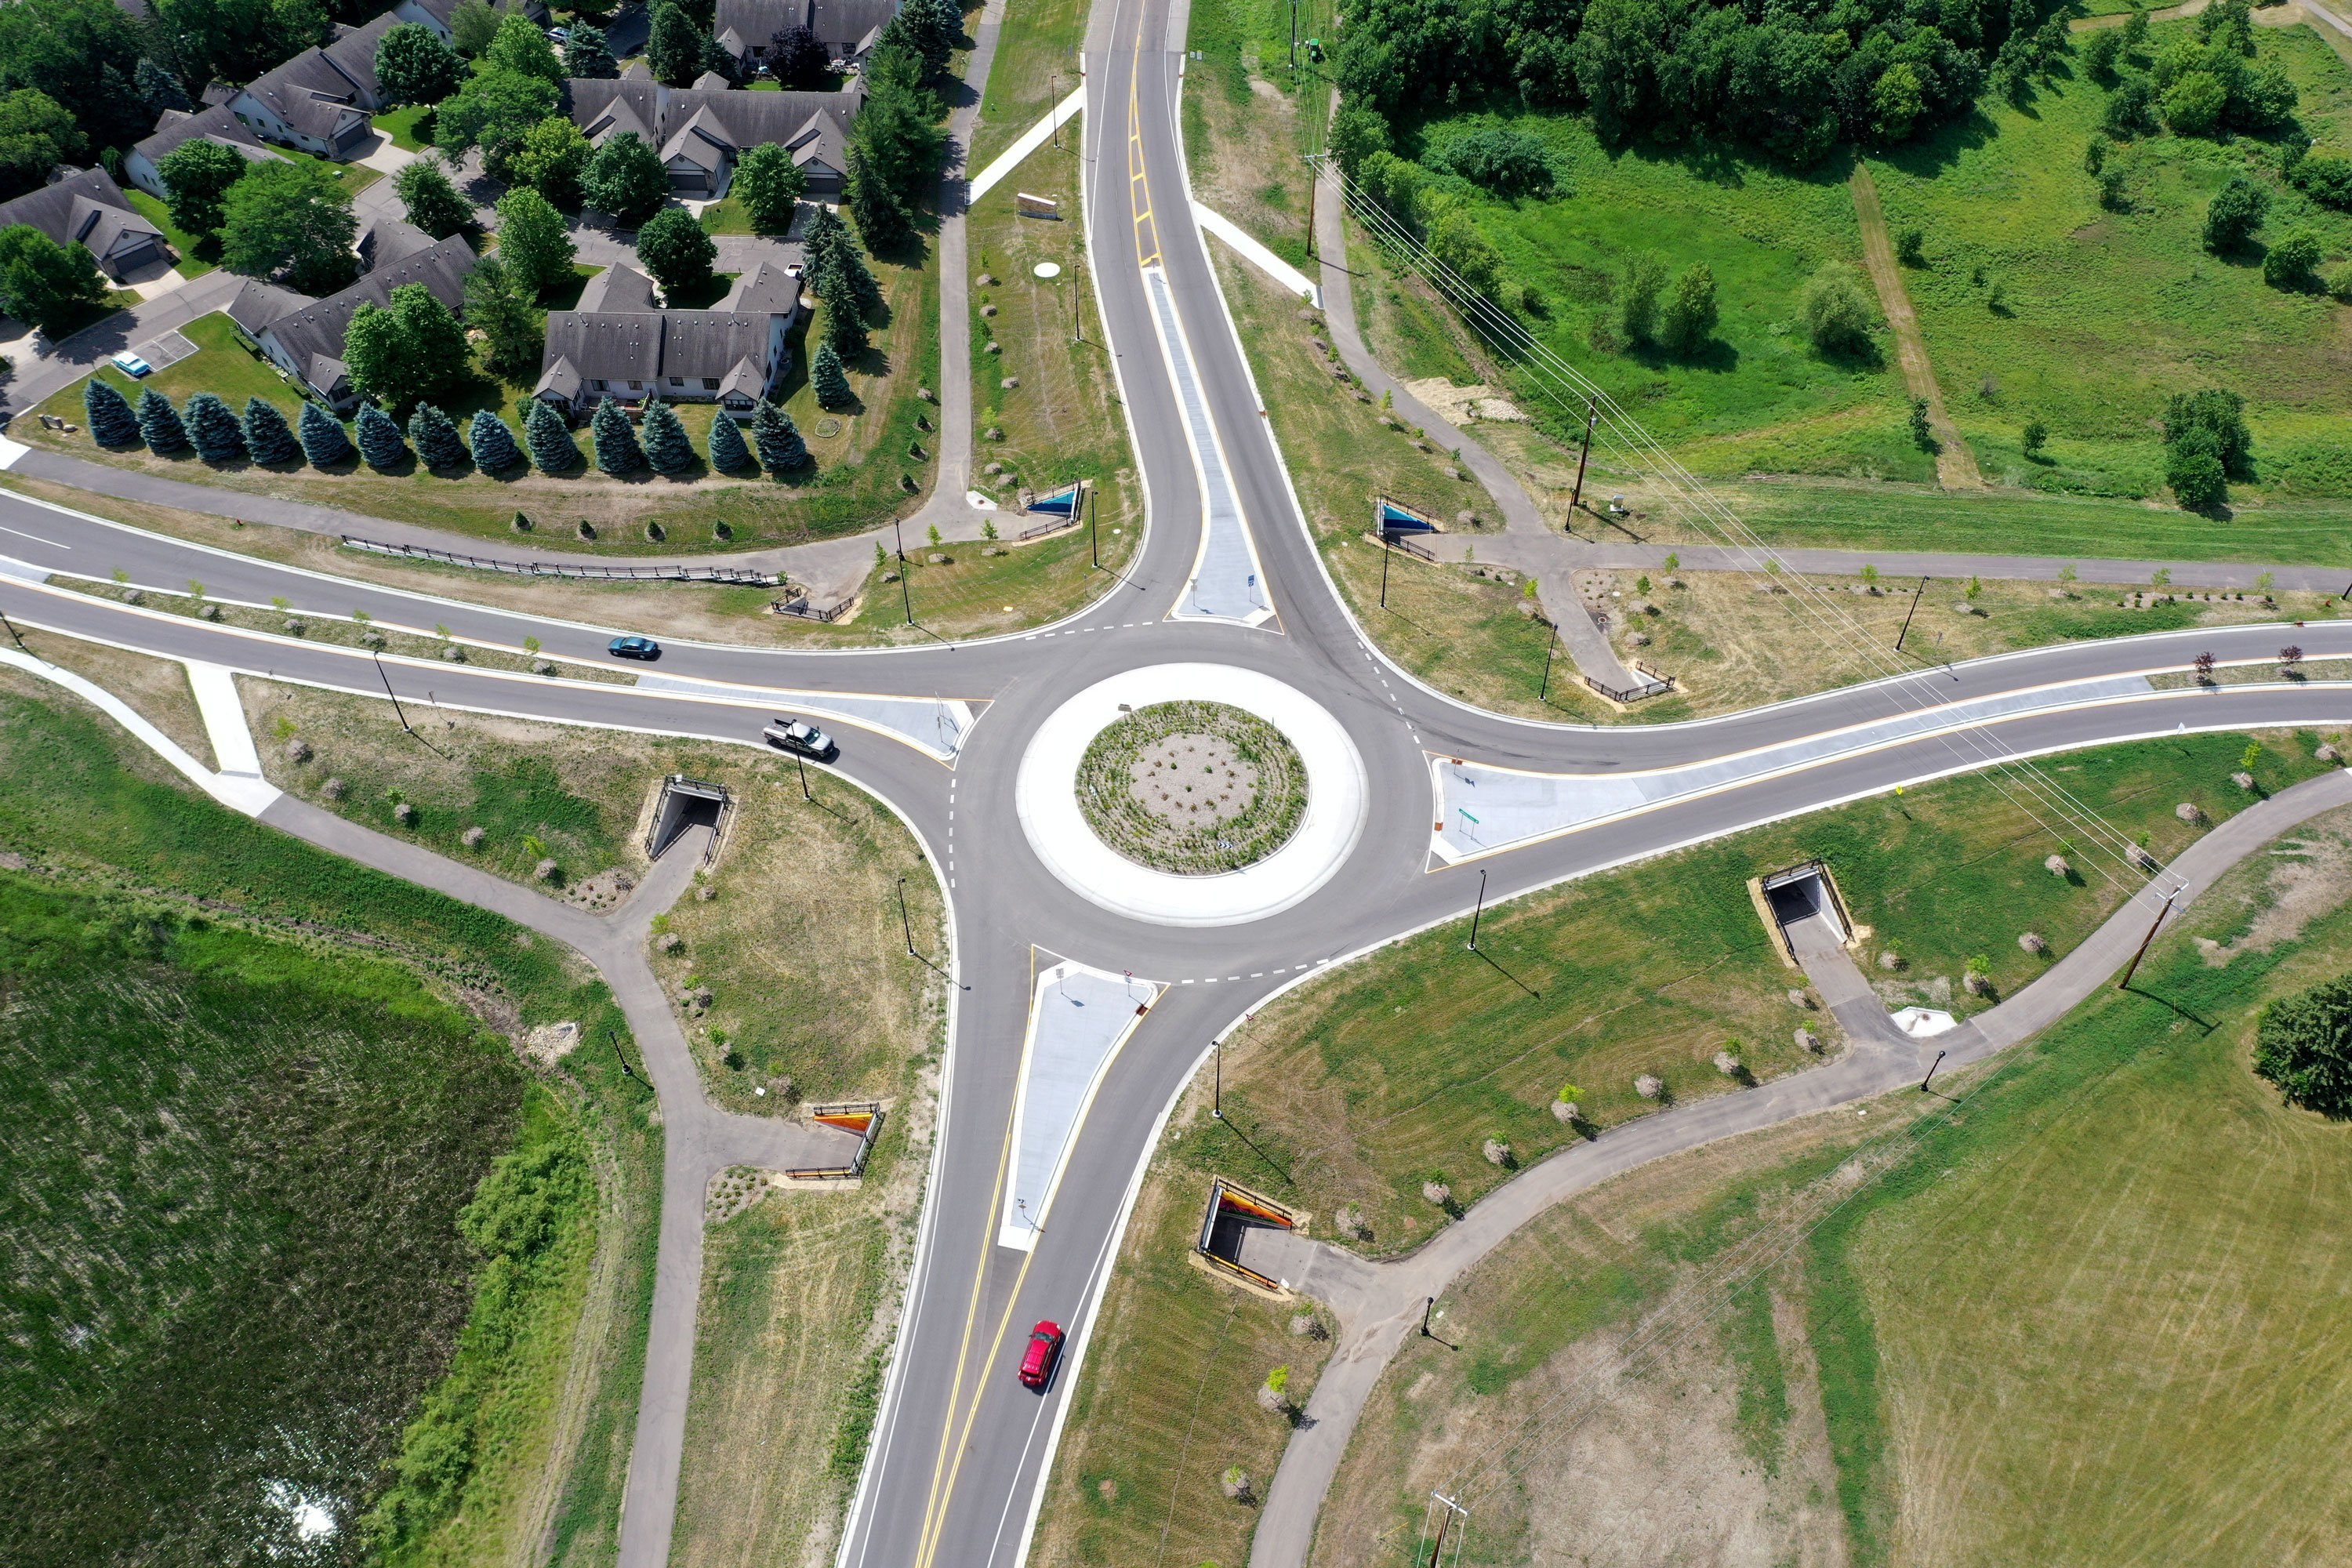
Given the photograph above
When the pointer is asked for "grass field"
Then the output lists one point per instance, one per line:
(249, 951)
(864, 456)
(1036, 66)
(2090, 1317)
(197, 256)
(2107, 313)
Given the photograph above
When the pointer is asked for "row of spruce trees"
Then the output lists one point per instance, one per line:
(218, 435)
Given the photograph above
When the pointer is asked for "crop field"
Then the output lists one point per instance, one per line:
(2104, 314)
(301, 1121)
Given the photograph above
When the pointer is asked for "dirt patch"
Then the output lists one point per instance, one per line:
(2305, 880)
(1461, 405)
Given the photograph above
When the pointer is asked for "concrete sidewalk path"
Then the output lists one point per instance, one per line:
(1380, 1305)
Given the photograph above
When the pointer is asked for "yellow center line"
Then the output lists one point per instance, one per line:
(1147, 250)
(932, 1529)
(934, 1505)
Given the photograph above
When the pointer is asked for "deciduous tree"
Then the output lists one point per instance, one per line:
(770, 184)
(197, 175)
(518, 46)
(533, 242)
(674, 46)
(2234, 214)
(626, 179)
(1646, 280)
(432, 204)
(2288, 263)
(52, 285)
(1836, 311)
(290, 220)
(1688, 321)
(36, 134)
(499, 306)
(2303, 1043)
(551, 159)
(406, 350)
(494, 110)
(678, 253)
(796, 59)
(414, 65)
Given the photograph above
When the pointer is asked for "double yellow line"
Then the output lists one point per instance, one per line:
(1139, 182)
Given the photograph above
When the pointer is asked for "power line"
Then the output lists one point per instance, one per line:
(1623, 436)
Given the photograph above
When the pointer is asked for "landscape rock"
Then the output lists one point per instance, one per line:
(2327, 754)
(1890, 960)
(334, 789)
(1649, 1087)
(298, 750)
(1009, 381)
(1566, 1110)
(2190, 812)
(294, 627)
(474, 836)
(2056, 865)
(404, 814)
(2031, 942)
(545, 870)
(1808, 1041)
(1799, 998)
(542, 667)
(2244, 780)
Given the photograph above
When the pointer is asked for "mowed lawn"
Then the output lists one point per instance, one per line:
(2103, 1318)
(2105, 314)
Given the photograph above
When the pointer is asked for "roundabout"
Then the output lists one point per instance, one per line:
(1152, 798)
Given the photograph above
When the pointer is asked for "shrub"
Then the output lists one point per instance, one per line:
(267, 437)
(1911, 246)
(495, 450)
(2193, 104)
(829, 380)
(1689, 316)
(2233, 215)
(1646, 280)
(159, 422)
(2288, 264)
(434, 436)
(1503, 160)
(782, 450)
(2325, 178)
(667, 445)
(551, 441)
(2131, 110)
(324, 440)
(379, 441)
(2193, 467)
(111, 422)
(1923, 435)
(727, 452)
(2035, 437)
(2304, 1043)
(1836, 311)
(618, 451)
(2099, 52)
(2220, 415)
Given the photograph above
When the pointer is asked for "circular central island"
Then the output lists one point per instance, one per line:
(1192, 793)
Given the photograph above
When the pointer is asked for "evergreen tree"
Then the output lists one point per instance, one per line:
(618, 451)
(550, 438)
(667, 445)
(323, 439)
(816, 246)
(109, 412)
(933, 28)
(159, 422)
(494, 445)
(379, 441)
(267, 435)
(727, 452)
(845, 324)
(587, 54)
(831, 382)
(158, 89)
(434, 436)
(214, 429)
(781, 448)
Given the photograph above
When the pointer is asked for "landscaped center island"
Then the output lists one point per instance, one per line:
(1194, 788)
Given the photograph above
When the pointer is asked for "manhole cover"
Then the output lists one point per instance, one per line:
(1048, 269)
(828, 427)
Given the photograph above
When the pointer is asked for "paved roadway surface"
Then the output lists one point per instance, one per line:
(960, 1451)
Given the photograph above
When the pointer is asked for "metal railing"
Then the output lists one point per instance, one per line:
(1051, 525)
(560, 569)
(1658, 685)
(874, 1116)
(803, 609)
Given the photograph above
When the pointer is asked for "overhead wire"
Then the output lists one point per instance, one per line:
(1624, 438)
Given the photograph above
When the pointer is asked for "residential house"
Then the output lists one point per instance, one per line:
(175, 129)
(847, 29)
(85, 207)
(306, 341)
(700, 131)
(436, 14)
(323, 98)
(620, 343)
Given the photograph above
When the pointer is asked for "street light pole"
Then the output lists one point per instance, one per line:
(1388, 548)
(398, 711)
(1477, 910)
(17, 635)
(1094, 528)
(1217, 1086)
(904, 923)
(906, 594)
(802, 762)
(1550, 643)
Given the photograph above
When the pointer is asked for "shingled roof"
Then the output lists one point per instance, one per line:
(176, 127)
(312, 92)
(85, 208)
(312, 336)
(707, 127)
(845, 27)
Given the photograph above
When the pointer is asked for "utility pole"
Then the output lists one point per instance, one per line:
(1550, 643)
(1909, 613)
(1311, 181)
(2124, 983)
(1592, 416)
(1478, 909)
(1294, 37)
(1445, 1520)
(1388, 548)
(1053, 104)
(906, 594)
(904, 924)
(397, 710)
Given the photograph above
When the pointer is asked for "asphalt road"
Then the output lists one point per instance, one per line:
(960, 1451)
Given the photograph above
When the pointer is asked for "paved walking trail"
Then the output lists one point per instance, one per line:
(1379, 1305)
(1956, 465)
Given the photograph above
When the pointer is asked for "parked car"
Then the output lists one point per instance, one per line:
(131, 364)
(634, 647)
(559, 34)
(809, 741)
(1044, 1353)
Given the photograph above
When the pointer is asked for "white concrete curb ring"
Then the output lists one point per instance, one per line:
(1046, 795)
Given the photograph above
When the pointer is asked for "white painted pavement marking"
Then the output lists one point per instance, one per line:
(1031, 140)
(35, 539)
(1257, 255)
(1227, 581)
(936, 725)
(1078, 1018)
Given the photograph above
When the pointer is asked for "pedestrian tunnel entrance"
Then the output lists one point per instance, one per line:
(687, 803)
(1803, 909)
(1235, 1212)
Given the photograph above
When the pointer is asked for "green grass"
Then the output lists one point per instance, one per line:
(221, 365)
(225, 1154)
(352, 177)
(1035, 67)
(197, 256)
(2107, 313)
(2170, 1233)
(194, 888)
(1364, 1085)
(409, 128)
